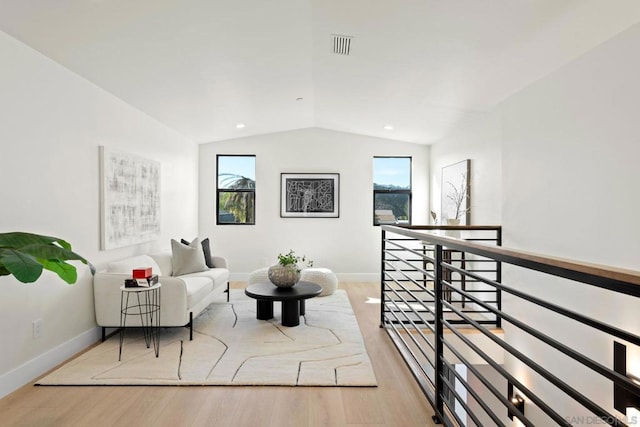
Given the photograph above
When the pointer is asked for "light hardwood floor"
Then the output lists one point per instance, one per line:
(397, 401)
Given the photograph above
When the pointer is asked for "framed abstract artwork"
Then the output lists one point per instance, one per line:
(309, 195)
(130, 199)
(456, 199)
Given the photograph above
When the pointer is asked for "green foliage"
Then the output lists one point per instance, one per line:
(292, 259)
(240, 203)
(396, 202)
(25, 255)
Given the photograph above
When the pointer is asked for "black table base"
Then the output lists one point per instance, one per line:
(292, 299)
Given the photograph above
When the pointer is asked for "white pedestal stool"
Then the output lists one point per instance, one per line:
(323, 277)
(259, 275)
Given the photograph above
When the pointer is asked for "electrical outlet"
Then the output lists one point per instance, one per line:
(37, 324)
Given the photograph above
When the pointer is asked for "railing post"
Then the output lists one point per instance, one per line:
(499, 279)
(382, 255)
(438, 331)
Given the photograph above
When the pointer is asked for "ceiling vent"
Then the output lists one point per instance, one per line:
(341, 44)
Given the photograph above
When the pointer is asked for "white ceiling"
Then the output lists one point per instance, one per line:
(422, 66)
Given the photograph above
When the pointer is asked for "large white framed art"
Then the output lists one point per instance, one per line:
(130, 199)
(456, 197)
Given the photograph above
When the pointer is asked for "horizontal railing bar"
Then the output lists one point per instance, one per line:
(428, 310)
(618, 279)
(459, 401)
(416, 251)
(470, 366)
(603, 327)
(410, 292)
(453, 227)
(431, 345)
(413, 338)
(403, 273)
(408, 279)
(403, 324)
(414, 268)
(534, 398)
(578, 357)
(570, 391)
(427, 386)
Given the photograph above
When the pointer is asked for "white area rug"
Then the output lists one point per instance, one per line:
(231, 347)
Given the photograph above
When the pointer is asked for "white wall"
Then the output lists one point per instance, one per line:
(480, 141)
(51, 124)
(571, 144)
(560, 159)
(349, 245)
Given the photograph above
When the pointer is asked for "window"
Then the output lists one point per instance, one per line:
(391, 190)
(236, 189)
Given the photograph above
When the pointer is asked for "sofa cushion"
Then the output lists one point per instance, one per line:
(197, 289)
(219, 276)
(127, 265)
(187, 259)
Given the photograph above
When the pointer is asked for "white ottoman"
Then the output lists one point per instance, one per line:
(323, 277)
(260, 275)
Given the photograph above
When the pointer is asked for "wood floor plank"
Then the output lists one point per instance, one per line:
(290, 406)
(326, 408)
(397, 401)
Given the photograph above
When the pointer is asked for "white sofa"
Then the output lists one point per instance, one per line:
(182, 297)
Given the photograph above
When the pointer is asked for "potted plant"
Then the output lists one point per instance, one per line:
(286, 273)
(25, 255)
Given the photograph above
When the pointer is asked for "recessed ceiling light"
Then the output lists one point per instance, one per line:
(388, 127)
(240, 126)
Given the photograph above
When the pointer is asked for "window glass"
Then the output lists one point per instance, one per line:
(391, 190)
(236, 185)
(391, 173)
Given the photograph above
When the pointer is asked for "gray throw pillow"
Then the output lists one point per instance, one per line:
(187, 259)
(206, 250)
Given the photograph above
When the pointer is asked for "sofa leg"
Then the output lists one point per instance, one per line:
(191, 326)
(104, 333)
(227, 291)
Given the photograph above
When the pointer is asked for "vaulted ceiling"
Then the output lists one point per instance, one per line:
(422, 67)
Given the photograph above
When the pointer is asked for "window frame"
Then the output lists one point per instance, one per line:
(219, 190)
(408, 192)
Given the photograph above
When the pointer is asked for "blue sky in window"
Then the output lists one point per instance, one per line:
(392, 171)
(238, 165)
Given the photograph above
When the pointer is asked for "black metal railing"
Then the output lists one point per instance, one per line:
(545, 357)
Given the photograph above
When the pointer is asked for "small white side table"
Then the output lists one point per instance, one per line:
(143, 302)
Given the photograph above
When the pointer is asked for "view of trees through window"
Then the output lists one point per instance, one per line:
(236, 189)
(391, 190)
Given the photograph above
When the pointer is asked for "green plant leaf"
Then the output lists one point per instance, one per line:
(67, 272)
(24, 255)
(51, 252)
(24, 267)
(19, 239)
(4, 271)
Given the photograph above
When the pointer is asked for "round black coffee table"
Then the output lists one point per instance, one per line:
(293, 306)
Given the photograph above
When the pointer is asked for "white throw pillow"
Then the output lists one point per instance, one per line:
(187, 259)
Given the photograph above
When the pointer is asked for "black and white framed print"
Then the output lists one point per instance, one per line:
(309, 195)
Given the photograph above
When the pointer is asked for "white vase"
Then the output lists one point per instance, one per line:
(453, 233)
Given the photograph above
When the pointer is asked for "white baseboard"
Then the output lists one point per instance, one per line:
(29, 371)
(346, 277)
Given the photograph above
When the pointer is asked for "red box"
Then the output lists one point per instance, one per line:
(141, 272)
